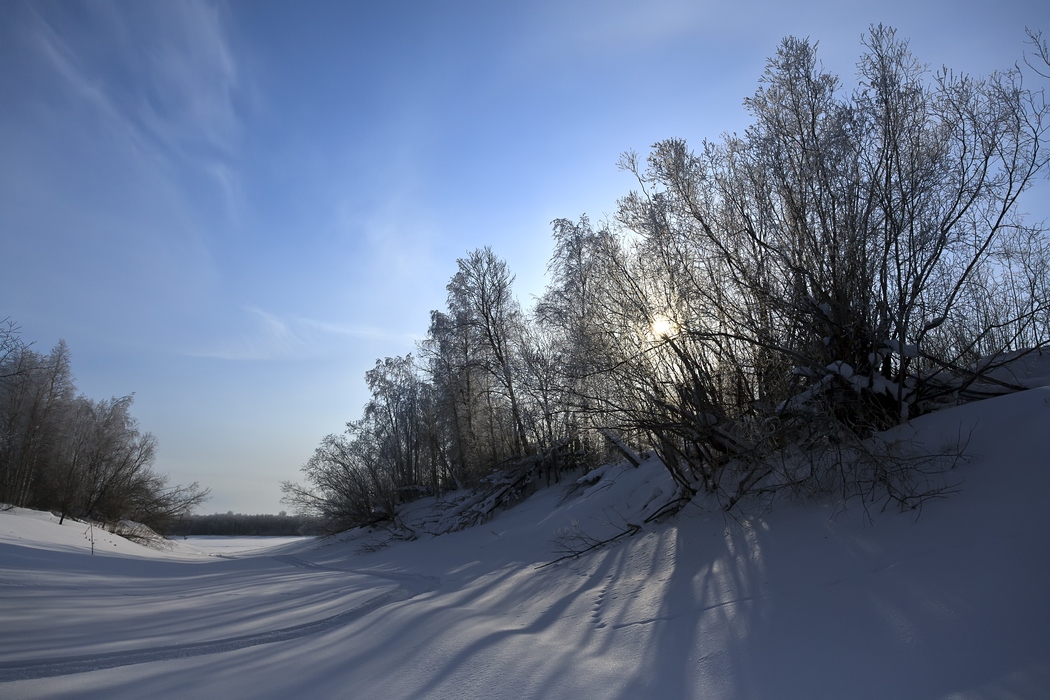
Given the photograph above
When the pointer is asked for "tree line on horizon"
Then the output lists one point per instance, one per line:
(73, 455)
(244, 525)
(758, 308)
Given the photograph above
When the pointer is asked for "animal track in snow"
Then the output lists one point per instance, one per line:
(596, 609)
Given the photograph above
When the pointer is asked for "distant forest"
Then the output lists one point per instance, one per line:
(239, 524)
(759, 307)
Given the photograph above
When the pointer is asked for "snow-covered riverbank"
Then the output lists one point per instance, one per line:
(801, 602)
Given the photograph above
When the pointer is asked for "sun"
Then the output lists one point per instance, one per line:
(662, 326)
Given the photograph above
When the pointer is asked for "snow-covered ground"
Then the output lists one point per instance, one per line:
(802, 602)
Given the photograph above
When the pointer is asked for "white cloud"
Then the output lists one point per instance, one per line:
(267, 336)
(264, 336)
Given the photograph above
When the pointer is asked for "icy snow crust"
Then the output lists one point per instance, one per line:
(801, 602)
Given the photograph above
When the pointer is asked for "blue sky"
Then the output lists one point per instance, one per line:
(232, 209)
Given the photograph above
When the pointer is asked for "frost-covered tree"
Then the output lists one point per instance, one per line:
(62, 451)
(854, 258)
(481, 299)
(851, 256)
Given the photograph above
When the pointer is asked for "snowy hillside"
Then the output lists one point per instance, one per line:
(802, 602)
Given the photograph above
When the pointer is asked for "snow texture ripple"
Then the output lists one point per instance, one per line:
(408, 587)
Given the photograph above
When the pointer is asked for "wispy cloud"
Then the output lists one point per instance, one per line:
(262, 336)
(267, 336)
(561, 29)
(121, 135)
(351, 331)
(161, 75)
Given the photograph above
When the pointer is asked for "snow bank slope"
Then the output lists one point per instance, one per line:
(40, 530)
(804, 602)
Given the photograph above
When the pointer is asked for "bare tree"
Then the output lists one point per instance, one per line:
(836, 259)
(763, 306)
(460, 385)
(480, 296)
(62, 451)
(35, 390)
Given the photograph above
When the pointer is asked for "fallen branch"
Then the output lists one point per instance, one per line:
(576, 542)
